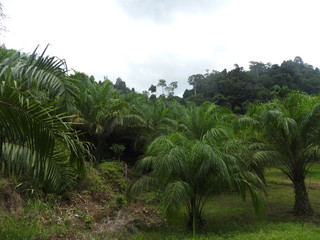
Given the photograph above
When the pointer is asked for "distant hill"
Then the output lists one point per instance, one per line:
(238, 88)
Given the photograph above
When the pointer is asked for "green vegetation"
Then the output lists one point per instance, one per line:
(286, 231)
(187, 173)
(290, 140)
(230, 218)
(36, 219)
(36, 141)
(73, 150)
(238, 88)
(227, 217)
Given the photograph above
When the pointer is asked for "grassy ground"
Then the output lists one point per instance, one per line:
(228, 217)
(96, 209)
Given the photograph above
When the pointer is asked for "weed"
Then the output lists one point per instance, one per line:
(88, 220)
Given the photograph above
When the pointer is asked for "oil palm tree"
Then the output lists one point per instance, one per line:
(289, 132)
(98, 110)
(186, 172)
(195, 121)
(158, 117)
(144, 120)
(37, 143)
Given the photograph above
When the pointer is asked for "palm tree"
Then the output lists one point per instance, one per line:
(158, 117)
(187, 172)
(196, 121)
(37, 143)
(98, 110)
(290, 140)
(143, 121)
(153, 117)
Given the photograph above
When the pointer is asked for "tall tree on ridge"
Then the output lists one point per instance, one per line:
(162, 83)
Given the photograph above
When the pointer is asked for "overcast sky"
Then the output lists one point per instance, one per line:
(143, 41)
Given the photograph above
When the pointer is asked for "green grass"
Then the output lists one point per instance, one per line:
(274, 174)
(228, 217)
(12, 228)
(32, 223)
(269, 231)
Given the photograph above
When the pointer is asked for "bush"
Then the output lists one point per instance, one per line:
(114, 175)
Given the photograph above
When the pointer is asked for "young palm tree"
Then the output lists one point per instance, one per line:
(99, 110)
(196, 121)
(290, 133)
(157, 116)
(187, 172)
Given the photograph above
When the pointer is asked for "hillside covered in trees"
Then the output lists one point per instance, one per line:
(237, 88)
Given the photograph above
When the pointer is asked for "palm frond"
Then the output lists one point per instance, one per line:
(34, 133)
(41, 72)
(174, 195)
(144, 184)
(244, 182)
(246, 121)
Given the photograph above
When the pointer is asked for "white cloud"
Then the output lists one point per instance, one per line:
(142, 41)
(164, 11)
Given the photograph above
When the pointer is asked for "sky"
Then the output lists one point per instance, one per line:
(142, 41)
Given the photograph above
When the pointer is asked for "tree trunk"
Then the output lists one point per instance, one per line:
(100, 147)
(302, 206)
(194, 217)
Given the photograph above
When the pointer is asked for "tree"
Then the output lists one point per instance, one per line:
(174, 84)
(162, 83)
(157, 117)
(146, 93)
(35, 141)
(258, 68)
(152, 88)
(121, 86)
(298, 60)
(290, 130)
(2, 16)
(98, 110)
(186, 172)
(170, 89)
(195, 80)
(195, 122)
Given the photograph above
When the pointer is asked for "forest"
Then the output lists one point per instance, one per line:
(234, 158)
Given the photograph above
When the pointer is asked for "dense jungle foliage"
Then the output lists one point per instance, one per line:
(238, 88)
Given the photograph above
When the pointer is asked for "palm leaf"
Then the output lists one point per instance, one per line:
(44, 73)
(175, 194)
(39, 139)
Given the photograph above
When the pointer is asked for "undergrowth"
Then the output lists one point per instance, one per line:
(98, 209)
